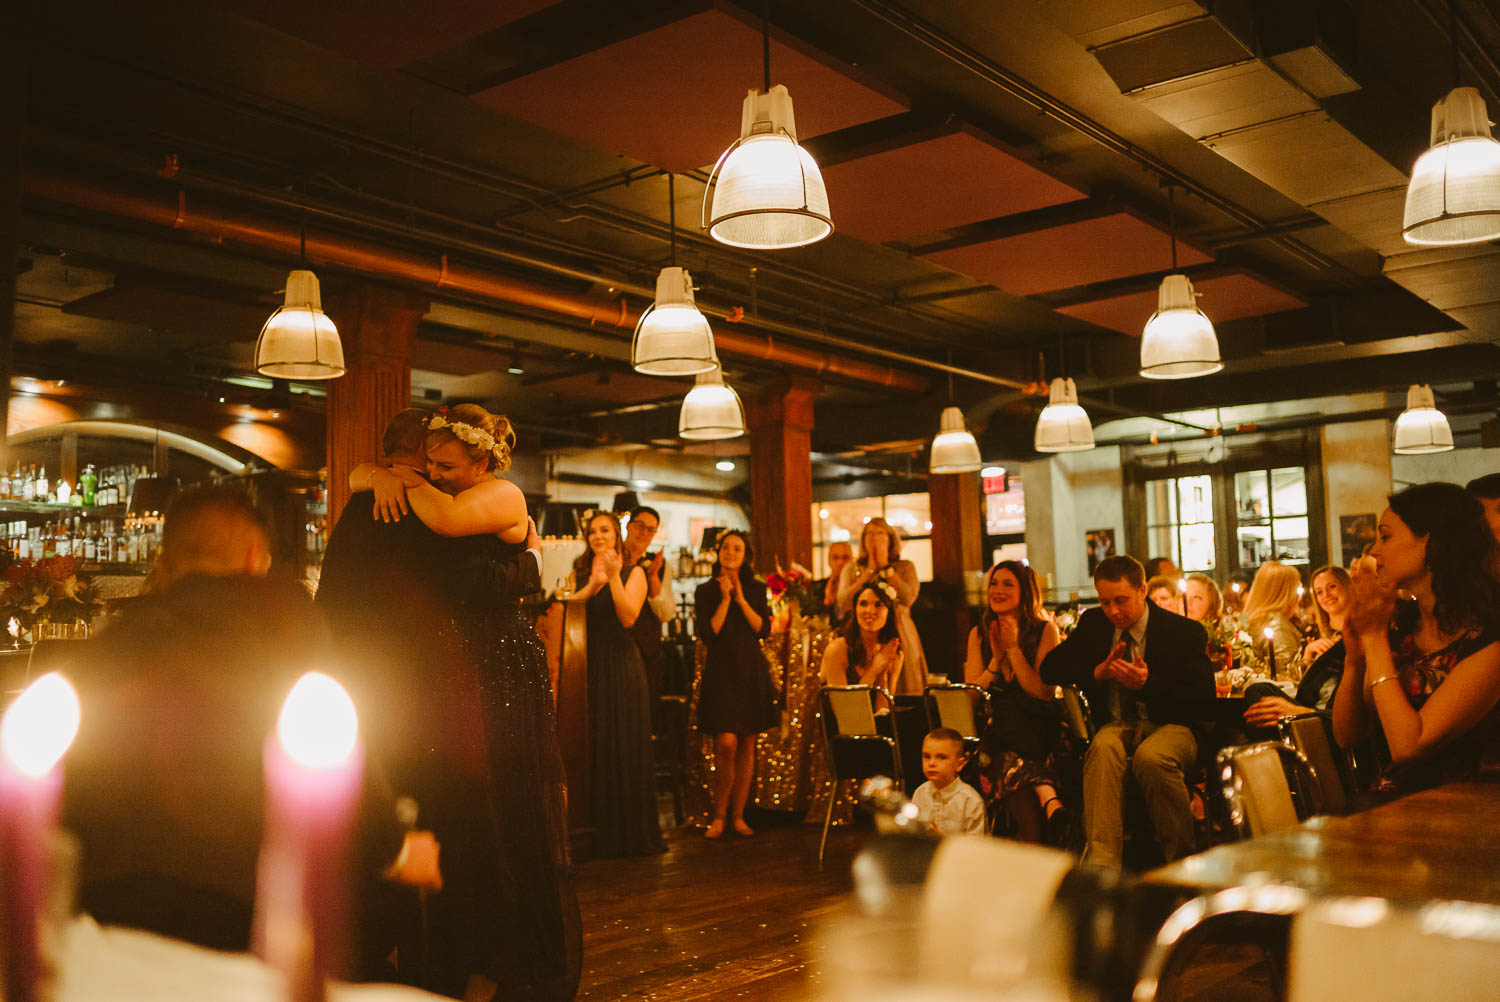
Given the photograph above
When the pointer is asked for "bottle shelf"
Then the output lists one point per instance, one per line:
(13, 507)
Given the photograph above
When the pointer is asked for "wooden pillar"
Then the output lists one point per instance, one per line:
(377, 327)
(781, 422)
(957, 540)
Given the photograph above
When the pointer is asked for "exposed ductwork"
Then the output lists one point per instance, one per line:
(171, 208)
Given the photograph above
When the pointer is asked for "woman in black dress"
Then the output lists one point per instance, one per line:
(1005, 654)
(508, 871)
(736, 701)
(622, 769)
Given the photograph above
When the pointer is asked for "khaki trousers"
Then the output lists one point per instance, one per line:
(1158, 755)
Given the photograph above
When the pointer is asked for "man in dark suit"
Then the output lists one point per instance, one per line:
(389, 590)
(1147, 676)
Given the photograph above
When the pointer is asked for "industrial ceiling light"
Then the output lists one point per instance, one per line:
(1063, 426)
(672, 337)
(299, 341)
(711, 409)
(953, 448)
(1454, 194)
(1179, 341)
(1422, 427)
(770, 193)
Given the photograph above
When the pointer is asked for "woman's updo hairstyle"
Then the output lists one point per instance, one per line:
(441, 430)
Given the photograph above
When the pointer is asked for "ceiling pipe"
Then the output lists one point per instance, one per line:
(171, 209)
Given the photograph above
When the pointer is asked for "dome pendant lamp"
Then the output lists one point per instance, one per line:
(673, 338)
(1454, 194)
(1421, 427)
(711, 410)
(299, 341)
(769, 193)
(954, 449)
(1063, 426)
(1179, 341)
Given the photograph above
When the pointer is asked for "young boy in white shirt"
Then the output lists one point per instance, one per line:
(949, 805)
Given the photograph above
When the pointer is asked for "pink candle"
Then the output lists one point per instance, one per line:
(314, 765)
(38, 728)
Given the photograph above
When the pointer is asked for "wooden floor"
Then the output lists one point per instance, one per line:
(711, 920)
(732, 919)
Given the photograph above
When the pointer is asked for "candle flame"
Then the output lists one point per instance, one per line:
(13, 627)
(40, 725)
(1301, 591)
(1235, 587)
(318, 728)
(1268, 632)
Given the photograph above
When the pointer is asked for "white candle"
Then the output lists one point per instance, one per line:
(37, 729)
(314, 765)
(1269, 633)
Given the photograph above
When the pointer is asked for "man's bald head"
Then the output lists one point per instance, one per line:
(212, 530)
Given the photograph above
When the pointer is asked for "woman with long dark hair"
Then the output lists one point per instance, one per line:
(867, 650)
(1005, 654)
(736, 701)
(1431, 682)
(622, 768)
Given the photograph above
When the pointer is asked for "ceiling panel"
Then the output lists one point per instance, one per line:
(672, 96)
(386, 33)
(943, 182)
(1107, 247)
(1223, 298)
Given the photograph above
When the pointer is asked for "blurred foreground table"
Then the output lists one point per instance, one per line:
(109, 964)
(1437, 844)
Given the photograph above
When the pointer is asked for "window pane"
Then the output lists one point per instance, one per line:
(919, 552)
(1292, 540)
(910, 513)
(1161, 507)
(1197, 547)
(1162, 542)
(1195, 499)
(1251, 498)
(1255, 545)
(1288, 492)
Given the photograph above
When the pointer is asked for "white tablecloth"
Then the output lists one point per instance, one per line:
(109, 964)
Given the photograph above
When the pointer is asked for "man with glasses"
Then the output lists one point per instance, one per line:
(660, 606)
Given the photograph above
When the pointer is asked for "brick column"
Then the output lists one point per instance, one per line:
(781, 422)
(377, 327)
(957, 540)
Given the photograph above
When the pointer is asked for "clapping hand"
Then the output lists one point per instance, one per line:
(888, 658)
(1316, 648)
(654, 570)
(1371, 604)
(599, 572)
(611, 562)
(727, 584)
(1132, 674)
(1008, 633)
(533, 541)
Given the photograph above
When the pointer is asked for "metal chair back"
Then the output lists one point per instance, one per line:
(1258, 791)
(856, 747)
(1332, 772)
(1075, 709)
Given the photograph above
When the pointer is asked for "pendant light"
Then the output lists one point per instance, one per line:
(953, 448)
(711, 409)
(1179, 341)
(1421, 427)
(1063, 426)
(673, 338)
(770, 193)
(299, 341)
(1454, 194)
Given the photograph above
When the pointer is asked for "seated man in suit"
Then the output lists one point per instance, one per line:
(1147, 676)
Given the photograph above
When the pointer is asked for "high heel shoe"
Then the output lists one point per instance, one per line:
(715, 829)
(1059, 829)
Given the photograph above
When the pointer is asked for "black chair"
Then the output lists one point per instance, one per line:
(1331, 767)
(857, 747)
(961, 706)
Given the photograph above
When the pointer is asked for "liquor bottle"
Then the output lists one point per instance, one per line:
(43, 486)
(88, 485)
(4, 485)
(64, 492)
(62, 543)
(91, 545)
(28, 486)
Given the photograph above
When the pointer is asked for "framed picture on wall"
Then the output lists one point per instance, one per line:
(1355, 533)
(1099, 544)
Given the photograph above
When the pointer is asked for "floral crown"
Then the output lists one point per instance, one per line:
(885, 588)
(466, 433)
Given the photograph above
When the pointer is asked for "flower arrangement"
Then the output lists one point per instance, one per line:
(1065, 620)
(795, 585)
(1230, 636)
(46, 591)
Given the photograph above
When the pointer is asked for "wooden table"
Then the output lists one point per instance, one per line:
(1442, 843)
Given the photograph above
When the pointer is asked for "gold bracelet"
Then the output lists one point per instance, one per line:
(1384, 678)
